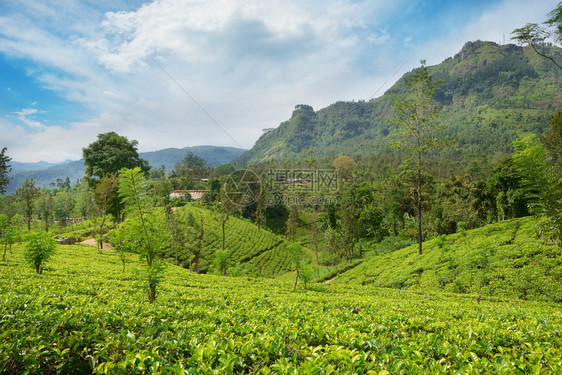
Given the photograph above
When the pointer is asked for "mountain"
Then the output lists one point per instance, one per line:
(44, 173)
(490, 94)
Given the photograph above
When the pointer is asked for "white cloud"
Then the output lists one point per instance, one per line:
(247, 62)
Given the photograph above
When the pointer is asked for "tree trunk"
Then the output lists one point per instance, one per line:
(296, 279)
(223, 234)
(419, 206)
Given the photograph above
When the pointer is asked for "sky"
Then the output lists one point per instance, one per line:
(179, 73)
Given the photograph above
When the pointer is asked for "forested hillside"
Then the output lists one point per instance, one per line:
(490, 94)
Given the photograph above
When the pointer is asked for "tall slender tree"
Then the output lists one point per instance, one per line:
(27, 193)
(416, 114)
(5, 170)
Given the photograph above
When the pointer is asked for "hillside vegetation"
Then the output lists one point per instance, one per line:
(251, 251)
(490, 94)
(503, 259)
(84, 315)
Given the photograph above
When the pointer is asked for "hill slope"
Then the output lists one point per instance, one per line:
(251, 251)
(490, 95)
(506, 258)
(84, 315)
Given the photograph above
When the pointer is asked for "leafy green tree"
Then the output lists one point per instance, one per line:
(106, 201)
(45, 208)
(192, 165)
(292, 221)
(222, 261)
(504, 185)
(552, 138)
(64, 205)
(298, 259)
(144, 229)
(345, 165)
(538, 37)
(222, 211)
(5, 170)
(542, 179)
(39, 249)
(7, 229)
(109, 154)
(416, 114)
(27, 193)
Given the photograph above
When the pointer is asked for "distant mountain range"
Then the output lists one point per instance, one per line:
(491, 94)
(44, 173)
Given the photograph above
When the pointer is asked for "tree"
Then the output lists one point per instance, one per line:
(39, 249)
(542, 179)
(106, 200)
(538, 36)
(416, 114)
(297, 257)
(64, 204)
(345, 166)
(45, 208)
(5, 170)
(109, 154)
(192, 165)
(27, 193)
(222, 261)
(144, 229)
(552, 138)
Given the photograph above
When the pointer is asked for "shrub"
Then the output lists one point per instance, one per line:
(39, 248)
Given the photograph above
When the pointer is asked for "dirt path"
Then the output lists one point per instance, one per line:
(93, 242)
(333, 278)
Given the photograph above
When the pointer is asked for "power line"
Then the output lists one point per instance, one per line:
(389, 78)
(196, 103)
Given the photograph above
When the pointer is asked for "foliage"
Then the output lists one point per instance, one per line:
(109, 154)
(537, 36)
(143, 231)
(518, 264)
(5, 170)
(94, 321)
(192, 165)
(416, 114)
(552, 138)
(27, 193)
(39, 249)
(543, 180)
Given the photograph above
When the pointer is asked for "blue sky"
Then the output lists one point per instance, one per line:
(70, 70)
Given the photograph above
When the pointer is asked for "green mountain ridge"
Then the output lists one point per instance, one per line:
(490, 94)
(214, 155)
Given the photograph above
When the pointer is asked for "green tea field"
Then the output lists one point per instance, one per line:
(84, 315)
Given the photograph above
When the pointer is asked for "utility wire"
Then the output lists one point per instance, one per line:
(389, 78)
(196, 102)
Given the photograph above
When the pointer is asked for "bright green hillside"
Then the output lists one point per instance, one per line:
(251, 251)
(505, 258)
(84, 315)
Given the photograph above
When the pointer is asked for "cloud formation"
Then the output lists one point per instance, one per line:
(247, 63)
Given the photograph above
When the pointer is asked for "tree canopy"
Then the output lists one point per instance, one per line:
(109, 154)
(5, 169)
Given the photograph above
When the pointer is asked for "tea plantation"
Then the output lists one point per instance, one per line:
(84, 315)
